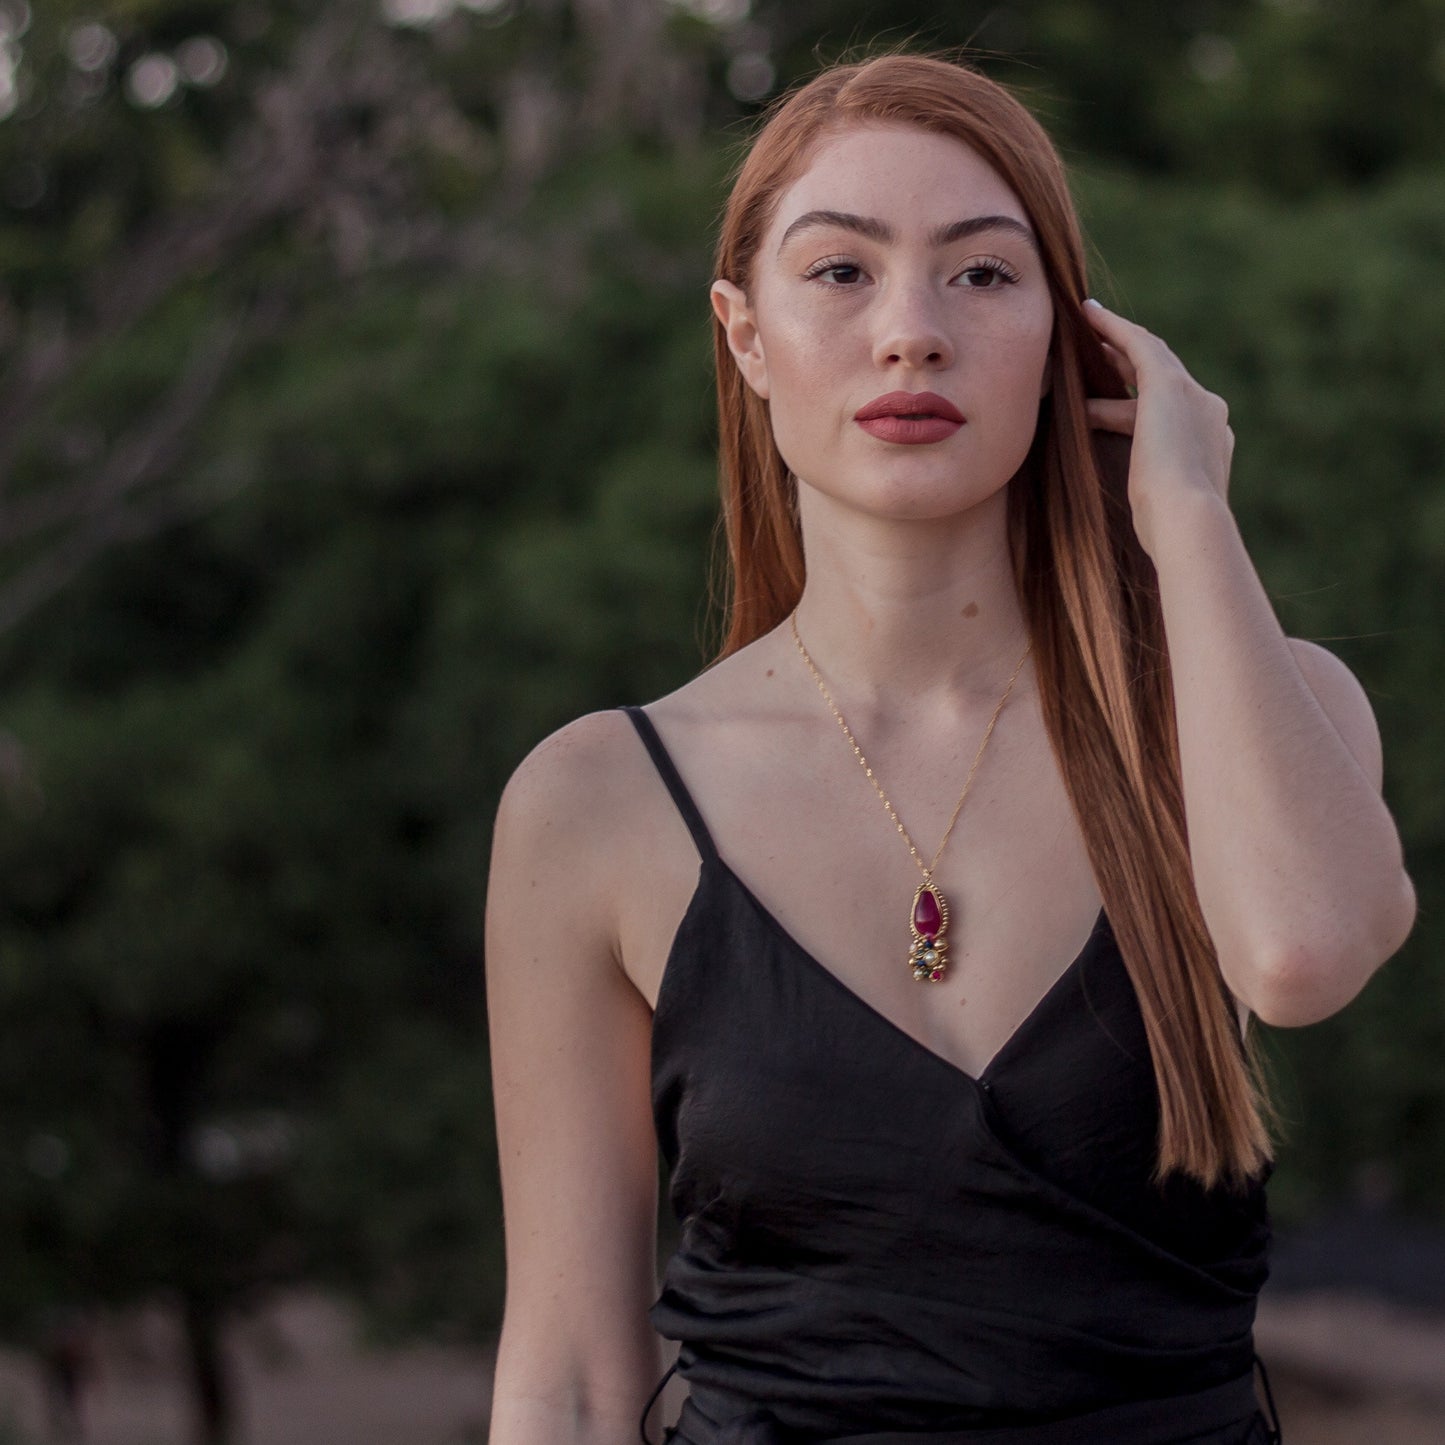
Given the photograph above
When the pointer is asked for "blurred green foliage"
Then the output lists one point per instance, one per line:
(273, 644)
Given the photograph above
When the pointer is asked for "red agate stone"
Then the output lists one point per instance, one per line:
(927, 918)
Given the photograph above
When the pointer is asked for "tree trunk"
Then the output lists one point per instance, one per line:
(215, 1412)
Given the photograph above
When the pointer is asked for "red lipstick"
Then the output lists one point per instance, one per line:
(910, 418)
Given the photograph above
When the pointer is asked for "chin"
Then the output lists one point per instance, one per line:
(921, 485)
(905, 500)
(933, 493)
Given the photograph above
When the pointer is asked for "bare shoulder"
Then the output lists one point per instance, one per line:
(586, 824)
(571, 838)
(1345, 702)
(574, 796)
(580, 767)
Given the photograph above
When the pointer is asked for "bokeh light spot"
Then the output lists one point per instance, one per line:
(1212, 57)
(14, 19)
(418, 14)
(202, 60)
(9, 80)
(152, 80)
(716, 12)
(91, 47)
(750, 75)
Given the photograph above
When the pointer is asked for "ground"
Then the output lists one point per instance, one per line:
(1344, 1370)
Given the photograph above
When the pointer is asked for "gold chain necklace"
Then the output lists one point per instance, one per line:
(928, 919)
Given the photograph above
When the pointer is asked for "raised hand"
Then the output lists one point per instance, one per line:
(1183, 442)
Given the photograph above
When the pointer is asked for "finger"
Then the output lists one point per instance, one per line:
(1128, 372)
(1106, 414)
(1125, 336)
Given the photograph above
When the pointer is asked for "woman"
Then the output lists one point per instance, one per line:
(924, 928)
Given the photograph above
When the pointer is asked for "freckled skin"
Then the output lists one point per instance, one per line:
(970, 320)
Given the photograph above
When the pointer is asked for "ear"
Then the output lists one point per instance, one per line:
(730, 306)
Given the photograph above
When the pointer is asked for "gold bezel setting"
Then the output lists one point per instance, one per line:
(927, 955)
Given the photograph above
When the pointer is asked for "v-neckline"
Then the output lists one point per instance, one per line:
(979, 1080)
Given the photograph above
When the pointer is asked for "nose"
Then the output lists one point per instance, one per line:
(910, 330)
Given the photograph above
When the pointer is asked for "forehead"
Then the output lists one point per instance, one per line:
(910, 177)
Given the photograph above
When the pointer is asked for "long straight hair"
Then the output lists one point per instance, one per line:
(1088, 589)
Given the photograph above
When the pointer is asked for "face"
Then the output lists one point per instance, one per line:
(897, 324)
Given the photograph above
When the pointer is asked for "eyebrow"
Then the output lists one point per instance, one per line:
(881, 231)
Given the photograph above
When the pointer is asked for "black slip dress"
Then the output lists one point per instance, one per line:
(878, 1248)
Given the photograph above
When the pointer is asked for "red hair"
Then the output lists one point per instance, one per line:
(1088, 589)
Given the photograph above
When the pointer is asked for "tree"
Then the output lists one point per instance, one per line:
(251, 774)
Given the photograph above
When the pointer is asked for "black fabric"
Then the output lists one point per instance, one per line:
(874, 1241)
(1137, 1423)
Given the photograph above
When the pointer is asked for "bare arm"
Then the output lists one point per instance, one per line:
(570, 1042)
(1297, 862)
(1296, 858)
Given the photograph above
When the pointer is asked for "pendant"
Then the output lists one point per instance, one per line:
(928, 924)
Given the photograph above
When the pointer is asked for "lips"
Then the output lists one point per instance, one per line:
(910, 403)
(910, 418)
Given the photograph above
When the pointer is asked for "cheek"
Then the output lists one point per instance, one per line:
(1021, 335)
(807, 371)
(800, 440)
(802, 350)
(1017, 348)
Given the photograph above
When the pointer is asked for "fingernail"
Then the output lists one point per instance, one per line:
(1091, 302)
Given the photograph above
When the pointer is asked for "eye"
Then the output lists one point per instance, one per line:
(988, 274)
(836, 271)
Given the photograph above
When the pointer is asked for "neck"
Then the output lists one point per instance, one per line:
(902, 616)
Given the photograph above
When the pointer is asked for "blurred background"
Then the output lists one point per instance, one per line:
(355, 432)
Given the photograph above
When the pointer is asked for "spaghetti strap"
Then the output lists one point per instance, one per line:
(651, 1399)
(1276, 1433)
(667, 770)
